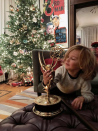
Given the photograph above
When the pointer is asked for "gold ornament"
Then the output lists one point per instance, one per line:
(11, 41)
(32, 8)
(17, 42)
(24, 27)
(20, 66)
(11, 8)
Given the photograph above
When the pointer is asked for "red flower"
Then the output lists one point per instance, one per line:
(94, 44)
(42, 20)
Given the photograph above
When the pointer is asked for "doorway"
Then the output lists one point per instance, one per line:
(75, 5)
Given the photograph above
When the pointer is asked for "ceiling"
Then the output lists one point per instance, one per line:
(87, 16)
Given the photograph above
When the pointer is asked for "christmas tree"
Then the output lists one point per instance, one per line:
(26, 32)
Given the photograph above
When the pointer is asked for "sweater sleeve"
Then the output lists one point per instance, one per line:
(86, 92)
(59, 73)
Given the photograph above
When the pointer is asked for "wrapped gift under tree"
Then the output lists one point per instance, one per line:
(28, 80)
(1, 72)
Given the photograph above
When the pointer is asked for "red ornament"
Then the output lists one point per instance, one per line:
(44, 33)
(42, 20)
(32, 35)
(17, 9)
(51, 44)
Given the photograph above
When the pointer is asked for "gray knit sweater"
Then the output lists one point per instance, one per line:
(68, 85)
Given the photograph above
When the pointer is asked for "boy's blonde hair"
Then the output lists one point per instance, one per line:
(87, 61)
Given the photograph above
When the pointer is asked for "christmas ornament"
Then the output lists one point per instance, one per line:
(33, 31)
(25, 41)
(42, 20)
(24, 27)
(17, 1)
(26, 13)
(32, 8)
(21, 51)
(34, 40)
(17, 42)
(52, 44)
(13, 65)
(20, 66)
(16, 23)
(44, 33)
(38, 36)
(15, 53)
(11, 8)
(32, 35)
(18, 61)
(17, 9)
(34, 20)
(11, 41)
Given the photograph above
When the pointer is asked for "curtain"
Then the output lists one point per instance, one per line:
(90, 35)
(1, 17)
(4, 7)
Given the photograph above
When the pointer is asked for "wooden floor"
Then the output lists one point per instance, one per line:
(7, 91)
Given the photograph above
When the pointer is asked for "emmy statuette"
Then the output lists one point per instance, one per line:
(49, 105)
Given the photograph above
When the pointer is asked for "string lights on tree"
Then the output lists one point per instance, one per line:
(26, 32)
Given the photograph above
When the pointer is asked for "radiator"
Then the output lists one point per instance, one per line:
(5, 76)
(2, 78)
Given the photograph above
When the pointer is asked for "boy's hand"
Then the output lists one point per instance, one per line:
(78, 102)
(47, 75)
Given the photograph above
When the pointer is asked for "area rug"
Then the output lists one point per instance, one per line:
(4, 92)
(18, 101)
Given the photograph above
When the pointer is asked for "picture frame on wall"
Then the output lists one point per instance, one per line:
(55, 15)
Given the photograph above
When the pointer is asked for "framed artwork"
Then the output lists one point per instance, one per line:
(55, 15)
(60, 35)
